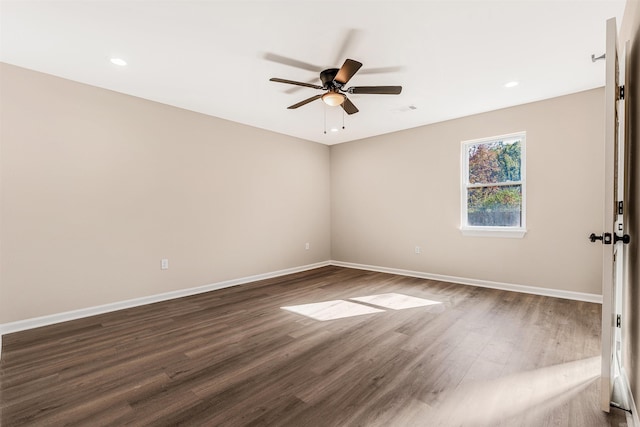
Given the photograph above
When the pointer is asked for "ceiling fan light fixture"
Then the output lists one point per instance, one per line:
(333, 98)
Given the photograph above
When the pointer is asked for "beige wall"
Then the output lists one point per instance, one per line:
(630, 31)
(397, 191)
(97, 187)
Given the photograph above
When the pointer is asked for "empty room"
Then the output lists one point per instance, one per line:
(355, 213)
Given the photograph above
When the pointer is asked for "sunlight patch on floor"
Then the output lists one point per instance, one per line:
(330, 310)
(395, 301)
(522, 395)
(338, 309)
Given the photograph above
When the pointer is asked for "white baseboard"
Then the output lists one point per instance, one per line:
(578, 296)
(37, 322)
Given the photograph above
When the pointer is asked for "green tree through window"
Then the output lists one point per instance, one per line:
(494, 182)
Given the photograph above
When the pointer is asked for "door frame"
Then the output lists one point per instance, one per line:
(613, 251)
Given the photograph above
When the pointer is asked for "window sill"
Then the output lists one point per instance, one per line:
(506, 232)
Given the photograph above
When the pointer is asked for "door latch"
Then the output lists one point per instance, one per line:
(605, 238)
(608, 238)
(624, 239)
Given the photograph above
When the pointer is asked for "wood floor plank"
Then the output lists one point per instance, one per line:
(235, 357)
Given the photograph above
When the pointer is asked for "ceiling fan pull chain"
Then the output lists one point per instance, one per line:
(325, 119)
(342, 119)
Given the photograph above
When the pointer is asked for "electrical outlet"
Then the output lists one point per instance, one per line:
(307, 246)
(164, 264)
(418, 249)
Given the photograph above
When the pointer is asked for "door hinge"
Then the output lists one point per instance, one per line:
(621, 92)
(619, 321)
(620, 208)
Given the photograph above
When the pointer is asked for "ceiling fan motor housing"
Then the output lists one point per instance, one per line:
(327, 77)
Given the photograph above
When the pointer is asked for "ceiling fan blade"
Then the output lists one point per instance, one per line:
(291, 62)
(381, 70)
(378, 90)
(306, 101)
(348, 106)
(349, 38)
(348, 69)
(294, 89)
(291, 82)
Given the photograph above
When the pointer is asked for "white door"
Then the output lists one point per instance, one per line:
(613, 237)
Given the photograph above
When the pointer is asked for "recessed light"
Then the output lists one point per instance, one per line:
(334, 129)
(118, 61)
(511, 84)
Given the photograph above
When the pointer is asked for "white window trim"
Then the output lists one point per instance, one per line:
(508, 232)
(479, 231)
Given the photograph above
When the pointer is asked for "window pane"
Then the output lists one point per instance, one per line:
(494, 162)
(495, 206)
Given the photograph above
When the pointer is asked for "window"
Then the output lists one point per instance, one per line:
(493, 186)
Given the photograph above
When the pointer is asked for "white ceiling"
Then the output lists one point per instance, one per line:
(451, 57)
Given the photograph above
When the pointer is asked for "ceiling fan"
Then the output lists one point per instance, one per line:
(334, 82)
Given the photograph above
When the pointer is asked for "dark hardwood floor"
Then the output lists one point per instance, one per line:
(234, 357)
